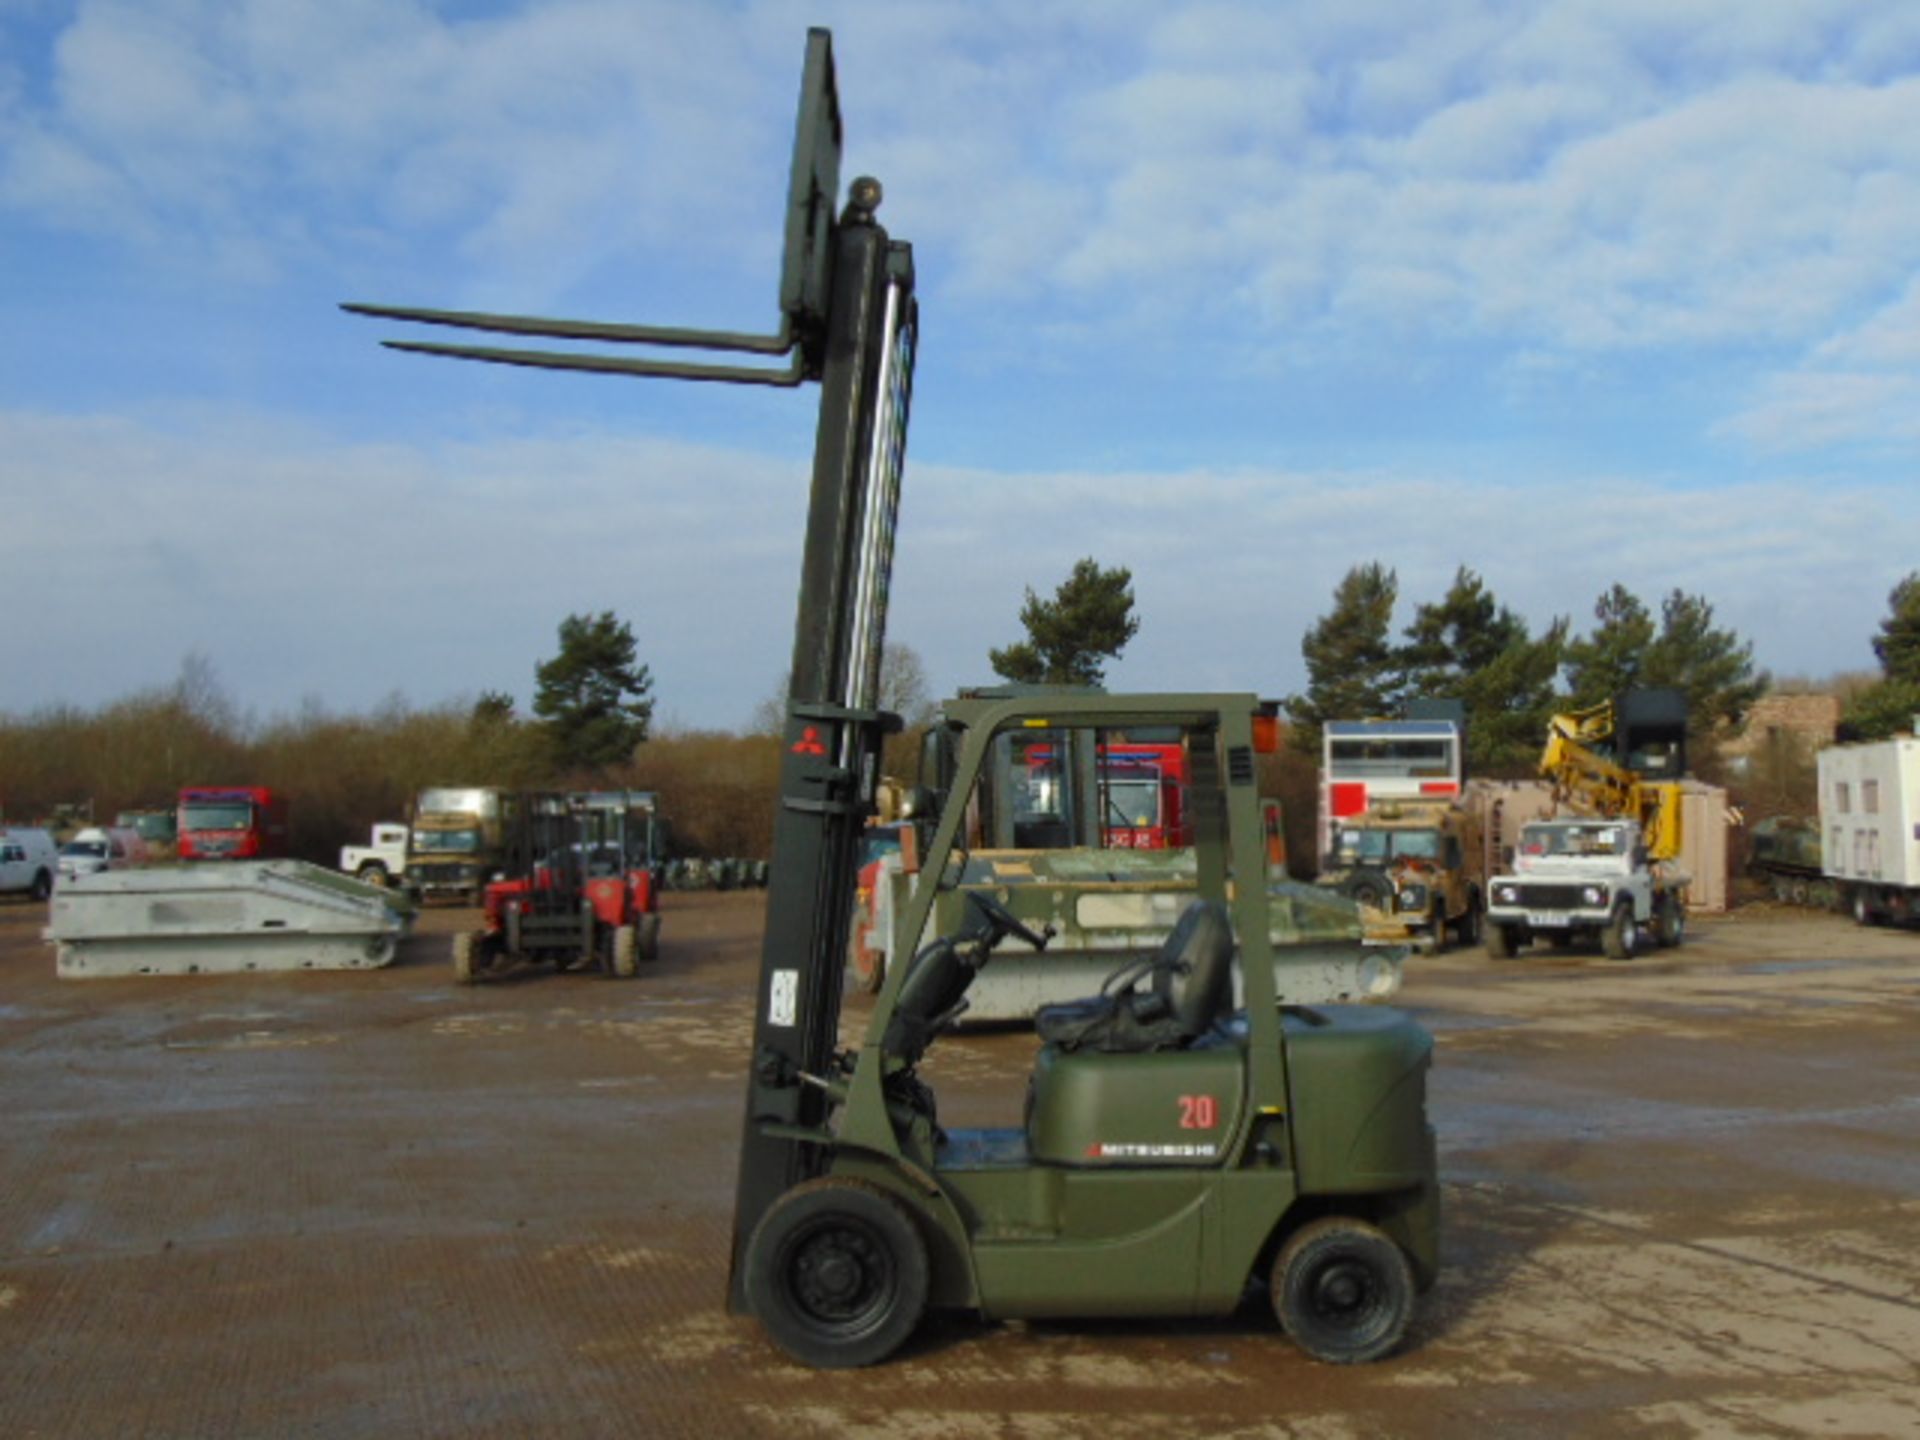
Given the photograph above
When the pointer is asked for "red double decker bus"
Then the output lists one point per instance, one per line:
(232, 822)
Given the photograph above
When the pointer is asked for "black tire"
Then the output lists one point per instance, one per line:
(1343, 1291)
(625, 959)
(42, 886)
(373, 874)
(1622, 935)
(1863, 911)
(1503, 942)
(1468, 927)
(1368, 887)
(1669, 921)
(650, 936)
(465, 957)
(837, 1273)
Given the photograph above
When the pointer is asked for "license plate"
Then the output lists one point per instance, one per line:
(1547, 919)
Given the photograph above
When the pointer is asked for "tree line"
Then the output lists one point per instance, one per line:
(592, 707)
(1469, 647)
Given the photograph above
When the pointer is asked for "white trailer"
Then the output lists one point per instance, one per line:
(1870, 827)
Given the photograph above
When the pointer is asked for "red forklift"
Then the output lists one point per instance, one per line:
(580, 889)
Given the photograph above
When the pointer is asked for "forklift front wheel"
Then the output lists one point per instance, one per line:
(1343, 1291)
(837, 1273)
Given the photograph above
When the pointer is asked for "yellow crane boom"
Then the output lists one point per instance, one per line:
(1596, 784)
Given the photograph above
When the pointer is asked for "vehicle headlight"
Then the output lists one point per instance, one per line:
(1594, 895)
(1379, 977)
(1507, 894)
(1414, 897)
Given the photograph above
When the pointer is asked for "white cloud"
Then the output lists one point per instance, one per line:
(307, 564)
(1589, 174)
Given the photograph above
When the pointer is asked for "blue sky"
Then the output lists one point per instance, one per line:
(1236, 295)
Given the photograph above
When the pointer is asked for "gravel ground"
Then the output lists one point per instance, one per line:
(1683, 1198)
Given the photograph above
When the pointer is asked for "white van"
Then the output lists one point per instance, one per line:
(28, 862)
(102, 848)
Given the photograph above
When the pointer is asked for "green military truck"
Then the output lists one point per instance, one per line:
(1416, 868)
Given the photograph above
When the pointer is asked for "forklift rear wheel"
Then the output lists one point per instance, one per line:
(464, 969)
(626, 952)
(837, 1273)
(1343, 1291)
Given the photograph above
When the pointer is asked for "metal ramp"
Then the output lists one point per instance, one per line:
(222, 919)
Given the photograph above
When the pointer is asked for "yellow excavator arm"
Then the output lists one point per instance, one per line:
(1593, 783)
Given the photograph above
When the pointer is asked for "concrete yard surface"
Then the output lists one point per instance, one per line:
(1682, 1199)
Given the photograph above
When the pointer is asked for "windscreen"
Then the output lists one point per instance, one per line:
(446, 842)
(217, 815)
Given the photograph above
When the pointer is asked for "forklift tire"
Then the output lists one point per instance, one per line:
(649, 937)
(1622, 935)
(625, 960)
(837, 1273)
(1343, 1291)
(1501, 944)
(464, 969)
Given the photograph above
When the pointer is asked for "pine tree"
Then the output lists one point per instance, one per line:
(1352, 669)
(1889, 706)
(1469, 647)
(1713, 667)
(1609, 659)
(1088, 621)
(592, 695)
(1898, 643)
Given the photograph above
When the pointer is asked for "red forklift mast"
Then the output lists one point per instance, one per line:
(849, 321)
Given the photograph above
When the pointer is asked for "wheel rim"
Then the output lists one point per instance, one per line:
(839, 1277)
(1346, 1297)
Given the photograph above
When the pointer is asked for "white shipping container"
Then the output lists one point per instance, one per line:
(1870, 824)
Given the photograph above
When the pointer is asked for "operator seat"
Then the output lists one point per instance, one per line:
(1126, 1018)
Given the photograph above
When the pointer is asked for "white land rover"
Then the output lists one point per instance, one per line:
(1578, 880)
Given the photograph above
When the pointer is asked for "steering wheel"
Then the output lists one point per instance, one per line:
(1003, 920)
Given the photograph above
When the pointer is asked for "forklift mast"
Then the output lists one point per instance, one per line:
(850, 322)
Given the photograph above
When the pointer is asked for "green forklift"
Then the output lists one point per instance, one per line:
(1180, 1146)
(1177, 1148)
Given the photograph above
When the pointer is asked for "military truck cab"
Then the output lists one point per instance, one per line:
(1417, 869)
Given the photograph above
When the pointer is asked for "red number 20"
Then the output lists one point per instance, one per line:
(1198, 1112)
